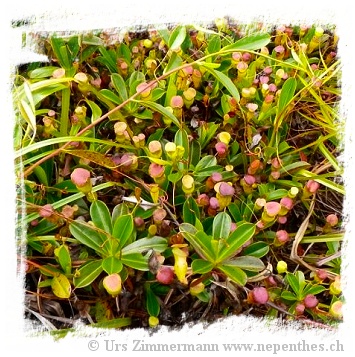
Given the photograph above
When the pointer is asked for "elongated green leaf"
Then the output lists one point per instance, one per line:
(113, 324)
(87, 273)
(293, 166)
(64, 259)
(119, 210)
(182, 139)
(61, 286)
(313, 289)
(177, 37)
(141, 245)
(322, 180)
(41, 175)
(174, 62)
(100, 216)
(190, 211)
(199, 240)
(234, 210)
(287, 94)
(49, 270)
(106, 93)
(195, 152)
(206, 133)
(288, 295)
(88, 236)
(123, 229)
(246, 263)
(208, 171)
(249, 43)
(40, 94)
(257, 249)
(42, 72)
(296, 282)
(226, 81)
(221, 226)
(27, 113)
(236, 239)
(96, 111)
(108, 59)
(152, 302)
(120, 85)
(160, 109)
(205, 162)
(112, 265)
(135, 261)
(200, 266)
(234, 273)
(276, 194)
(214, 44)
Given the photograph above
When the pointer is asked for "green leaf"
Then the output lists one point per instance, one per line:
(313, 289)
(236, 239)
(100, 216)
(174, 62)
(297, 282)
(226, 81)
(160, 109)
(28, 113)
(88, 236)
(64, 259)
(200, 266)
(182, 139)
(177, 37)
(152, 302)
(106, 93)
(208, 171)
(96, 111)
(113, 324)
(123, 229)
(112, 265)
(43, 72)
(234, 273)
(119, 210)
(136, 261)
(221, 226)
(61, 286)
(195, 152)
(276, 194)
(234, 210)
(49, 270)
(206, 133)
(249, 43)
(287, 94)
(246, 263)
(120, 85)
(175, 177)
(293, 166)
(214, 44)
(205, 162)
(257, 249)
(199, 240)
(141, 245)
(108, 59)
(190, 211)
(41, 175)
(288, 295)
(87, 273)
